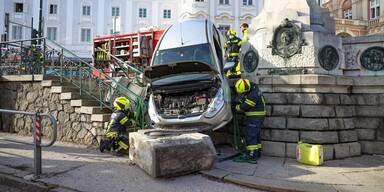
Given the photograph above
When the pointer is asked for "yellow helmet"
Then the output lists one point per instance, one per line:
(243, 85)
(231, 32)
(121, 103)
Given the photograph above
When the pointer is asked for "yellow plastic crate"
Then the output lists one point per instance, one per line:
(309, 154)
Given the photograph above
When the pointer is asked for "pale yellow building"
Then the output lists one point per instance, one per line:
(357, 17)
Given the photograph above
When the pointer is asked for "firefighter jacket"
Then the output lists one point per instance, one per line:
(233, 46)
(120, 120)
(252, 103)
(234, 72)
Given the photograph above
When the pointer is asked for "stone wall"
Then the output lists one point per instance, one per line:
(345, 114)
(73, 126)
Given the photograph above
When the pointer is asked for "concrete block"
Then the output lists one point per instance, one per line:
(302, 98)
(328, 152)
(341, 150)
(347, 136)
(336, 124)
(331, 99)
(349, 123)
(366, 99)
(285, 135)
(275, 122)
(275, 149)
(171, 155)
(372, 147)
(370, 111)
(291, 150)
(368, 123)
(275, 98)
(317, 111)
(286, 110)
(355, 149)
(365, 134)
(307, 124)
(345, 111)
(265, 134)
(317, 137)
(346, 100)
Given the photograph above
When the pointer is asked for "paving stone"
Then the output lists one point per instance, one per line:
(317, 137)
(237, 168)
(301, 98)
(275, 122)
(285, 135)
(216, 173)
(286, 110)
(345, 111)
(275, 98)
(307, 124)
(275, 149)
(347, 136)
(366, 134)
(317, 111)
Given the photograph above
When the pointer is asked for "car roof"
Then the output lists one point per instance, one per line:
(185, 33)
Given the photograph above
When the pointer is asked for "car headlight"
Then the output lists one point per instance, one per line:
(215, 106)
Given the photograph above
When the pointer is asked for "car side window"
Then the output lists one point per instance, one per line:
(218, 48)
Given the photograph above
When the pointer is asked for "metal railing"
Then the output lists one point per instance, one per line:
(36, 124)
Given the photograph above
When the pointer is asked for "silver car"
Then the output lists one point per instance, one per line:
(188, 88)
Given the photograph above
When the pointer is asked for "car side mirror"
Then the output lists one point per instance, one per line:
(229, 65)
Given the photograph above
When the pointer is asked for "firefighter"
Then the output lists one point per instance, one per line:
(252, 104)
(116, 138)
(244, 29)
(233, 46)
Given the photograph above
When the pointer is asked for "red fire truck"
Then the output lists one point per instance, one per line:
(134, 49)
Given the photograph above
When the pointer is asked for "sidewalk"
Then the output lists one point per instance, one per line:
(365, 173)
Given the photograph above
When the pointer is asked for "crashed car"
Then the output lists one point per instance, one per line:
(187, 85)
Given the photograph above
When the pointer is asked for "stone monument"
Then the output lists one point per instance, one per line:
(294, 37)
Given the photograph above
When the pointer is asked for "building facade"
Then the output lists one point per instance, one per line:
(357, 17)
(74, 23)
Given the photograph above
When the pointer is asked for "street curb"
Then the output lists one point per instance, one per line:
(268, 184)
(22, 184)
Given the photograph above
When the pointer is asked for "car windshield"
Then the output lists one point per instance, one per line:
(182, 78)
(201, 53)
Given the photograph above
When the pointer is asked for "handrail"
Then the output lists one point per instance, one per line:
(37, 135)
(119, 60)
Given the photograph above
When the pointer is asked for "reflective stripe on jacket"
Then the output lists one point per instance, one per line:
(120, 120)
(233, 46)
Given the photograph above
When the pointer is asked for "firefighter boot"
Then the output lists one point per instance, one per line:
(247, 157)
(105, 144)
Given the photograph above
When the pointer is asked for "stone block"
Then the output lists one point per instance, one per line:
(346, 100)
(345, 111)
(301, 98)
(369, 111)
(307, 124)
(286, 110)
(366, 99)
(381, 99)
(336, 124)
(372, 147)
(269, 110)
(347, 136)
(380, 133)
(342, 80)
(171, 155)
(331, 99)
(275, 98)
(275, 149)
(317, 111)
(291, 150)
(344, 150)
(285, 135)
(328, 152)
(265, 134)
(365, 134)
(275, 122)
(318, 80)
(317, 137)
(368, 123)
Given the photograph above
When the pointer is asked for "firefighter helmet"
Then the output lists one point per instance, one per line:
(121, 103)
(231, 32)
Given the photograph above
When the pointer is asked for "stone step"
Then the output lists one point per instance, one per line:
(100, 117)
(69, 96)
(84, 102)
(94, 110)
(50, 83)
(63, 89)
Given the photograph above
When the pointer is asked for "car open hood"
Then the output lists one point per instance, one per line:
(155, 72)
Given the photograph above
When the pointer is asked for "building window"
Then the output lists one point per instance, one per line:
(86, 10)
(199, 0)
(347, 9)
(52, 9)
(224, 29)
(115, 11)
(247, 2)
(224, 2)
(375, 9)
(142, 12)
(19, 7)
(85, 35)
(17, 32)
(52, 33)
(166, 13)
